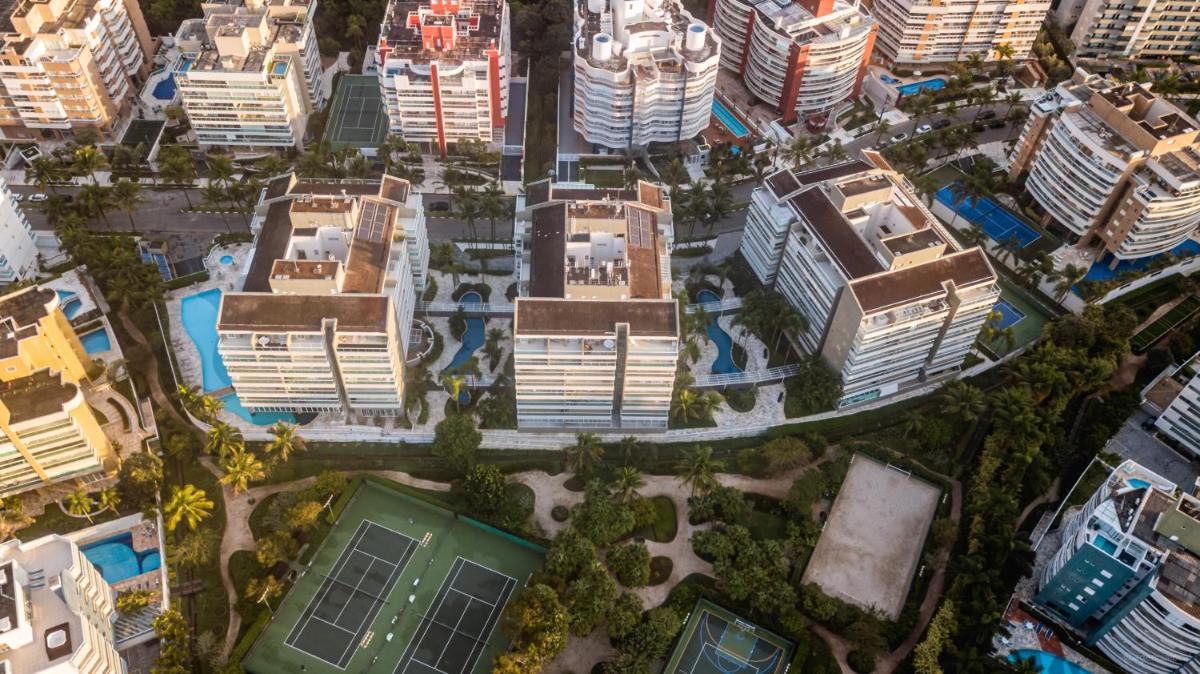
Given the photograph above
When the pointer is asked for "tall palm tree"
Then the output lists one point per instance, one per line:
(453, 382)
(223, 439)
(11, 520)
(627, 483)
(241, 468)
(80, 504)
(284, 440)
(1067, 278)
(177, 167)
(86, 160)
(720, 203)
(94, 200)
(109, 498)
(697, 469)
(881, 128)
(983, 98)
(788, 319)
(800, 152)
(962, 401)
(585, 455)
(209, 407)
(44, 172)
(685, 406)
(920, 106)
(467, 208)
(127, 196)
(494, 205)
(673, 174)
(835, 153)
(187, 504)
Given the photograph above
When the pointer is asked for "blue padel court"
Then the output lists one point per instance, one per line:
(1009, 315)
(996, 221)
(715, 641)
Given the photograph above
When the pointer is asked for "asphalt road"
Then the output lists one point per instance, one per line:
(961, 117)
(163, 211)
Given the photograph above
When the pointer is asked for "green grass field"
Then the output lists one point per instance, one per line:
(1146, 338)
(442, 539)
(717, 641)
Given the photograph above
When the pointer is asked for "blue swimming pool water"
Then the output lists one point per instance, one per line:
(924, 85)
(117, 560)
(199, 314)
(1100, 270)
(1138, 484)
(1049, 662)
(1105, 545)
(473, 338)
(69, 303)
(1009, 315)
(727, 118)
(724, 363)
(165, 89)
(226, 259)
(997, 222)
(96, 341)
(888, 79)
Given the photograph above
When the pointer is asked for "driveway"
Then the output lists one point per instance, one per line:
(1131, 442)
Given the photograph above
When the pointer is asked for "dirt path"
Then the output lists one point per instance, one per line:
(1050, 496)
(156, 390)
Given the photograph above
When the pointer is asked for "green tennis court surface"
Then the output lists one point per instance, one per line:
(716, 641)
(357, 118)
(1147, 337)
(394, 565)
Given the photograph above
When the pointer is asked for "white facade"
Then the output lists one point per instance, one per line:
(250, 75)
(803, 58)
(1175, 396)
(1111, 29)
(645, 72)
(888, 296)
(915, 34)
(443, 70)
(56, 611)
(18, 249)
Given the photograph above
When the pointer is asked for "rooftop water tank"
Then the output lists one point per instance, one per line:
(602, 47)
(596, 6)
(695, 36)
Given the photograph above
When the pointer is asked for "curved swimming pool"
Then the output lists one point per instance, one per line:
(1048, 663)
(724, 363)
(117, 560)
(226, 259)
(473, 338)
(69, 303)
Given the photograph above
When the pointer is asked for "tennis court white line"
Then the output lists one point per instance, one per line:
(334, 625)
(342, 558)
(378, 601)
(454, 629)
(426, 623)
(488, 568)
(481, 641)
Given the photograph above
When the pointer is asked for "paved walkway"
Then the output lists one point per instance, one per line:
(156, 390)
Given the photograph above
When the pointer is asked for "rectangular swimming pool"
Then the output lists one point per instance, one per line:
(96, 341)
(729, 120)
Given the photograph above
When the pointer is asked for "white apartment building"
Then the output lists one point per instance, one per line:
(1124, 576)
(1174, 396)
(916, 34)
(250, 74)
(1112, 166)
(18, 248)
(804, 57)
(596, 331)
(56, 611)
(322, 321)
(1111, 29)
(69, 64)
(889, 297)
(645, 72)
(443, 70)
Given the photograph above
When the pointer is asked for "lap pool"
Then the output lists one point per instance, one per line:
(199, 315)
(729, 120)
(117, 560)
(724, 363)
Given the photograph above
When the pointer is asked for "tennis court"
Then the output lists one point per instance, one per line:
(460, 621)
(1009, 315)
(1149, 335)
(996, 221)
(357, 118)
(352, 594)
(348, 613)
(716, 641)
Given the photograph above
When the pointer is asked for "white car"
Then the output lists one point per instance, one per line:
(924, 128)
(899, 137)
(35, 198)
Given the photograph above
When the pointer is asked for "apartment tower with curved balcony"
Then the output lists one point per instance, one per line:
(805, 57)
(1112, 166)
(917, 34)
(645, 72)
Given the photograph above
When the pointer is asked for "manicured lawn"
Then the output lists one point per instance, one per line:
(664, 527)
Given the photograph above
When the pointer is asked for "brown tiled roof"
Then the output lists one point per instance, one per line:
(264, 312)
(270, 245)
(849, 251)
(544, 316)
(305, 269)
(903, 286)
(820, 175)
(782, 183)
(597, 194)
(35, 396)
(537, 193)
(351, 189)
(394, 189)
(368, 257)
(650, 194)
(913, 241)
(19, 313)
(278, 186)
(548, 242)
(877, 159)
(644, 274)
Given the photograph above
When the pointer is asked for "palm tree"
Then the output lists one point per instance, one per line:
(627, 483)
(189, 396)
(963, 401)
(220, 169)
(1025, 666)
(44, 172)
(284, 441)
(187, 504)
(493, 205)
(800, 152)
(920, 106)
(585, 455)
(975, 62)
(673, 174)
(914, 423)
(12, 519)
(209, 407)
(127, 196)
(1067, 278)
(94, 200)
(835, 153)
(685, 406)
(241, 468)
(176, 167)
(79, 503)
(720, 203)
(697, 469)
(223, 439)
(467, 208)
(983, 98)
(108, 498)
(788, 319)
(452, 382)
(630, 177)
(881, 128)
(86, 160)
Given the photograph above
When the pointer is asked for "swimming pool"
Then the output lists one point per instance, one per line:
(199, 315)
(1105, 270)
(473, 338)
(724, 363)
(934, 84)
(1048, 662)
(117, 560)
(69, 303)
(226, 259)
(729, 120)
(96, 341)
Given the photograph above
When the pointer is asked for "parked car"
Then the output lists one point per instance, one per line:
(882, 144)
(35, 198)
(18, 197)
(996, 124)
(924, 128)
(899, 137)
(942, 123)
(987, 114)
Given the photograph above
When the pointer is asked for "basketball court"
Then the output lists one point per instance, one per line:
(357, 118)
(716, 641)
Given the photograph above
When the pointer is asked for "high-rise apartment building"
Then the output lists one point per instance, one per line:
(1113, 29)
(56, 611)
(915, 34)
(70, 64)
(18, 249)
(250, 73)
(645, 72)
(804, 57)
(322, 321)
(47, 431)
(596, 331)
(1174, 396)
(1125, 574)
(443, 70)
(1113, 166)
(889, 297)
